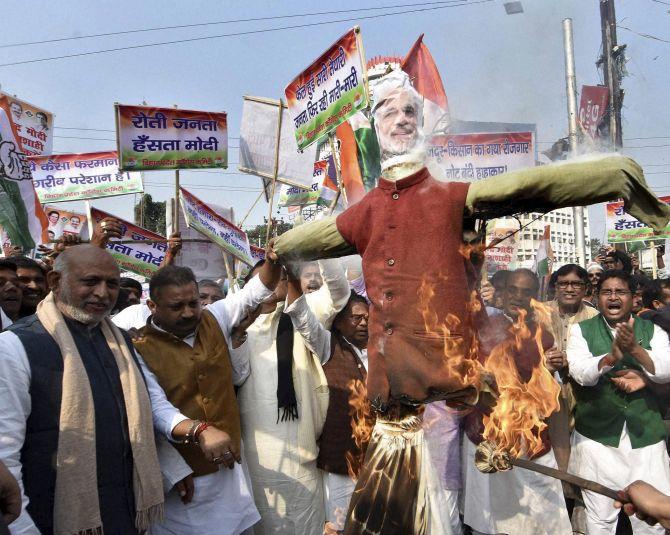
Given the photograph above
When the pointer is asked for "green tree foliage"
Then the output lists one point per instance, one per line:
(259, 231)
(150, 214)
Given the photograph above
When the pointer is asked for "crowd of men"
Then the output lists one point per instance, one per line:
(198, 412)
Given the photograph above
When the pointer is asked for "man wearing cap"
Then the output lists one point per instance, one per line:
(595, 272)
(408, 230)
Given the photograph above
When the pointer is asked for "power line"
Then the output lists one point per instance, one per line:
(237, 34)
(221, 22)
(645, 35)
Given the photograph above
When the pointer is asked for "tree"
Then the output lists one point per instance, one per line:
(150, 214)
(257, 234)
(595, 244)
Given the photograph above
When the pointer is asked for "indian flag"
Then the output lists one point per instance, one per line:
(422, 70)
(21, 214)
(544, 258)
(359, 156)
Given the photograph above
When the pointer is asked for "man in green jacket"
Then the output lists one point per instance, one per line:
(619, 435)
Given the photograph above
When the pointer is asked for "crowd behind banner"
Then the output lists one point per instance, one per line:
(324, 306)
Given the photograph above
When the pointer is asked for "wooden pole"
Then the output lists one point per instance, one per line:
(568, 478)
(175, 219)
(250, 209)
(148, 242)
(275, 173)
(331, 139)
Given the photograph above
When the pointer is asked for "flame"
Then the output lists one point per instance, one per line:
(362, 422)
(518, 417)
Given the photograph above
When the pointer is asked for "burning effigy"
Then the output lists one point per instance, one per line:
(426, 319)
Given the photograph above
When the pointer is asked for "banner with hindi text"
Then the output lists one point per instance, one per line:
(471, 157)
(74, 177)
(329, 91)
(34, 126)
(503, 254)
(138, 257)
(202, 218)
(622, 227)
(169, 138)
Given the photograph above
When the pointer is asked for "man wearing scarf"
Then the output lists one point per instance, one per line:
(283, 406)
(187, 348)
(409, 230)
(76, 423)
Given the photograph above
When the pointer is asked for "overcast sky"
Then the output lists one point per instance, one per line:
(495, 67)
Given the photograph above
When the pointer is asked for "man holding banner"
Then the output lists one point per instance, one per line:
(408, 222)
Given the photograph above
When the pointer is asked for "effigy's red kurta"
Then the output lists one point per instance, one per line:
(409, 233)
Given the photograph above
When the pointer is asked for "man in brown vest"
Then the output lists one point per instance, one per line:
(348, 363)
(187, 349)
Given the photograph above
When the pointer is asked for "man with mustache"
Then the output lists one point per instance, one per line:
(516, 501)
(187, 348)
(409, 230)
(10, 294)
(79, 411)
(33, 283)
(619, 434)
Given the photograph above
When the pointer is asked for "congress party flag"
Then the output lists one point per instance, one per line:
(544, 257)
(21, 215)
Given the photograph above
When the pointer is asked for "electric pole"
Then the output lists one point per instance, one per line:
(612, 63)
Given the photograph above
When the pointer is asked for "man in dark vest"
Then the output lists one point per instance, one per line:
(77, 410)
(338, 453)
(619, 434)
(188, 350)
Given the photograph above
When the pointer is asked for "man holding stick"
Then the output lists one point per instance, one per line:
(409, 231)
(619, 433)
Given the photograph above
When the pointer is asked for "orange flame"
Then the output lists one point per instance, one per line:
(362, 422)
(518, 418)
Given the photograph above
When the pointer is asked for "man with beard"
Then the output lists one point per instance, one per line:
(409, 230)
(33, 283)
(310, 277)
(619, 434)
(77, 409)
(10, 294)
(516, 501)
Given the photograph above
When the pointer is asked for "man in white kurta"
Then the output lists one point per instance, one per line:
(619, 434)
(281, 455)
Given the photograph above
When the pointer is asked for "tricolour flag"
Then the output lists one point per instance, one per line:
(425, 77)
(21, 214)
(544, 258)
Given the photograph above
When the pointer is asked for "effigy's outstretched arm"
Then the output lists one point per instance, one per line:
(312, 241)
(579, 182)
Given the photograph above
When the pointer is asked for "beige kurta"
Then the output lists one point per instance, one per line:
(281, 456)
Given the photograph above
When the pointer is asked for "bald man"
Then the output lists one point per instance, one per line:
(79, 409)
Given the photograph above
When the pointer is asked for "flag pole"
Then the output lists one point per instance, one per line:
(276, 171)
(331, 139)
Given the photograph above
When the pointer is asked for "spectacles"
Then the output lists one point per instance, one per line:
(578, 285)
(615, 293)
(357, 318)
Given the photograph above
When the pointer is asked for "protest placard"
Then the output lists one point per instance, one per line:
(73, 177)
(329, 91)
(257, 253)
(470, 157)
(141, 258)
(21, 215)
(34, 125)
(64, 222)
(622, 227)
(502, 255)
(260, 149)
(295, 196)
(212, 225)
(168, 138)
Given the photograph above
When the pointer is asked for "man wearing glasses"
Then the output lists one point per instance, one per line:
(619, 432)
(567, 309)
